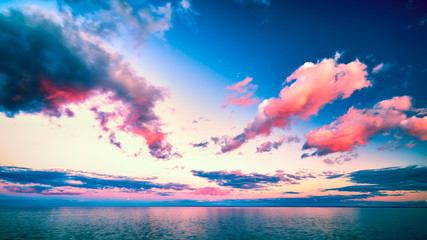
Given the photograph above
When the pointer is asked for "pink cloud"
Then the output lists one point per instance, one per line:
(398, 103)
(212, 191)
(380, 67)
(416, 126)
(237, 172)
(244, 94)
(265, 147)
(55, 97)
(377, 68)
(241, 86)
(328, 161)
(315, 85)
(358, 126)
(242, 101)
(115, 113)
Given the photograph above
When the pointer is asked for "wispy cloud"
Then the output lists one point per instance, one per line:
(420, 23)
(262, 2)
(112, 18)
(380, 68)
(186, 11)
(267, 146)
(200, 145)
(243, 95)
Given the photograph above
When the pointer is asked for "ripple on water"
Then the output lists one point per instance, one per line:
(212, 223)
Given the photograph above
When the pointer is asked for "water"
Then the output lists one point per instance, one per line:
(212, 223)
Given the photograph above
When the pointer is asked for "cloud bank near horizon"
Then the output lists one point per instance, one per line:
(238, 180)
(58, 182)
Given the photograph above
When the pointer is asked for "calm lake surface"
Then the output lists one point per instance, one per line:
(212, 223)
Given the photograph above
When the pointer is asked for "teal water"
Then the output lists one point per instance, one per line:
(212, 223)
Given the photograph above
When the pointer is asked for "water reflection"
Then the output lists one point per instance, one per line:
(212, 223)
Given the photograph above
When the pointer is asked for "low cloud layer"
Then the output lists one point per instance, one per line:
(410, 178)
(239, 180)
(53, 182)
(308, 89)
(42, 190)
(358, 126)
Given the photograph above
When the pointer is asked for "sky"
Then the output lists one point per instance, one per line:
(213, 103)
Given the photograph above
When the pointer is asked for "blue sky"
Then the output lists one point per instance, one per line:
(248, 102)
(270, 42)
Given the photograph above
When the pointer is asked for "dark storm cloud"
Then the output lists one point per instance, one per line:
(410, 178)
(36, 60)
(236, 179)
(45, 65)
(81, 180)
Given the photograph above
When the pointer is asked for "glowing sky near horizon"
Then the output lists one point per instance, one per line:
(213, 100)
